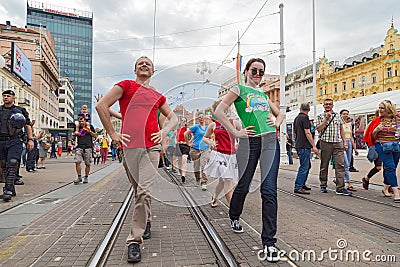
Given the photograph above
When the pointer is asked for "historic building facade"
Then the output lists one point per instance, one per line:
(299, 87)
(371, 72)
(35, 48)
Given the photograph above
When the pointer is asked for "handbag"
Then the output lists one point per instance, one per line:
(318, 144)
(372, 154)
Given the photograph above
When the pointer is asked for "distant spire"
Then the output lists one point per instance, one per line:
(324, 52)
(392, 22)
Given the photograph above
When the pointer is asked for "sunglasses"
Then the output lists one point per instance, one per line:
(260, 72)
(388, 101)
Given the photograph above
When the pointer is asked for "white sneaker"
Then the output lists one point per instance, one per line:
(85, 180)
(204, 187)
(272, 253)
(168, 167)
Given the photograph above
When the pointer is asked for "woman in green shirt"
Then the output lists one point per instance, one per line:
(258, 142)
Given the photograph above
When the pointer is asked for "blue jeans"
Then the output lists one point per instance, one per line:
(304, 168)
(113, 152)
(347, 159)
(265, 150)
(390, 162)
(290, 155)
(23, 156)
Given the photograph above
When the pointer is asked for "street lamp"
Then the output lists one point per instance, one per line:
(202, 68)
(363, 83)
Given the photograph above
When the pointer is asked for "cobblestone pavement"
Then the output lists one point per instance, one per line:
(69, 234)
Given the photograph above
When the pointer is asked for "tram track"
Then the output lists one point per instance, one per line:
(343, 211)
(222, 254)
(221, 251)
(355, 195)
(215, 241)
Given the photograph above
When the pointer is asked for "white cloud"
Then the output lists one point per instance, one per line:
(123, 30)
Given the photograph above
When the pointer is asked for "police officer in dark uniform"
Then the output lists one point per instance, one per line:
(12, 119)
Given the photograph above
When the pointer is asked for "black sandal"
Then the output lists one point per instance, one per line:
(383, 192)
(365, 183)
(351, 188)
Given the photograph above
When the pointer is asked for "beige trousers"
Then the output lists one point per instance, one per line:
(200, 158)
(142, 165)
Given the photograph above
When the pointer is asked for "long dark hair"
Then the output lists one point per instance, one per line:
(248, 64)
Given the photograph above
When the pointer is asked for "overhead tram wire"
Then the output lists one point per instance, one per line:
(186, 31)
(251, 22)
(270, 52)
(236, 43)
(180, 47)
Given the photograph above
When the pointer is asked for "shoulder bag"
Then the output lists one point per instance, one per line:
(318, 144)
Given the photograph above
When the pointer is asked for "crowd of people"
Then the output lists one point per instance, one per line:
(225, 150)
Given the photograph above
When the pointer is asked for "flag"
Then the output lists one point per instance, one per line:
(239, 69)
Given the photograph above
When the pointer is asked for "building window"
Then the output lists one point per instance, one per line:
(353, 83)
(390, 89)
(344, 86)
(3, 83)
(320, 91)
(335, 88)
(395, 72)
(389, 72)
(373, 77)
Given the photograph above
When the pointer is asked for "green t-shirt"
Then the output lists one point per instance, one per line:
(253, 109)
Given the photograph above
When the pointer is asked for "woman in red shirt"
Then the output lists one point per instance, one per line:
(182, 149)
(222, 164)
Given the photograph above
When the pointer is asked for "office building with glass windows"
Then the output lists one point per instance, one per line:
(72, 30)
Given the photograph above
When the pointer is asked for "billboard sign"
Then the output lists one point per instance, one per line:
(21, 65)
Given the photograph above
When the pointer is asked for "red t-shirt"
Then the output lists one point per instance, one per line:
(181, 132)
(224, 139)
(139, 106)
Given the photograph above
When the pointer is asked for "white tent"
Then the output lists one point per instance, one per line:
(357, 106)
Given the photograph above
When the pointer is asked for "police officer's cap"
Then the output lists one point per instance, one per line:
(8, 92)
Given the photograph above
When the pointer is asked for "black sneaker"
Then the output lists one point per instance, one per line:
(18, 182)
(134, 254)
(344, 192)
(7, 194)
(183, 178)
(78, 180)
(306, 188)
(147, 232)
(301, 191)
(352, 169)
(324, 190)
(272, 254)
(236, 227)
